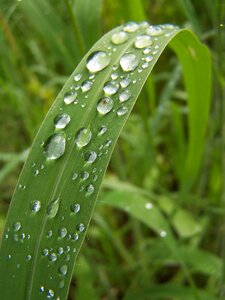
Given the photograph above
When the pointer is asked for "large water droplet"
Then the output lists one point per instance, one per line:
(110, 88)
(55, 146)
(63, 270)
(16, 226)
(98, 61)
(122, 111)
(61, 121)
(105, 105)
(154, 30)
(53, 208)
(69, 97)
(129, 62)
(35, 206)
(86, 86)
(90, 157)
(125, 95)
(83, 137)
(119, 37)
(75, 208)
(143, 41)
(131, 27)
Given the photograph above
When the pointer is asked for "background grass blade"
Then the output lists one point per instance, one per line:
(56, 193)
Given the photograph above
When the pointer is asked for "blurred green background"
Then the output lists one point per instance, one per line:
(124, 257)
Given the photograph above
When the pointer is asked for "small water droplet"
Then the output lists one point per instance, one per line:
(149, 58)
(102, 130)
(35, 206)
(89, 189)
(90, 156)
(53, 208)
(98, 61)
(122, 111)
(60, 250)
(67, 249)
(95, 178)
(50, 294)
(105, 105)
(119, 37)
(154, 30)
(28, 257)
(78, 77)
(61, 284)
(21, 187)
(80, 227)
(75, 208)
(114, 76)
(143, 41)
(84, 175)
(86, 86)
(52, 257)
(42, 289)
(125, 82)
(55, 146)
(9, 256)
(16, 226)
(63, 270)
(69, 97)
(144, 65)
(83, 137)
(75, 236)
(61, 121)
(148, 205)
(131, 27)
(74, 176)
(49, 233)
(163, 233)
(111, 88)
(45, 252)
(129, 62)
(125, 95)
(62, 232)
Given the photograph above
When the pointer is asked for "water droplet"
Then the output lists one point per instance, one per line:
(36, 172)
(36, 206)
(125, 82)
(83, 137)
(74, 176)
(50, 294)
(84, 175)
(42, 289)
(67, 257)
(69, 97)
(122, 111)
(86, 86)
(89, 189)
(16, 226)
(148, 205)
(102, 130)
(149, 58)
(154, 30)
(61, 284)
(61, 121)
(67, 249)
(131, 27)
(95, 178)
(21, 187)
(163, 233)
(105, 105)
(80, 227)
(129, 62)
(75, 208)
(62, 232)
(108, 142)
(119, 37)
(9, 256)
(53, 208)
(110, 88)
(125, 95)
(78, 77)
(28, 257)
(144, 65)
(144, 24)
(143, 41)
(60, 250)
(75, 237)
(49, 233)
(98, 61)
(55, 146)
(114, 76)
(52, 257)
(63, 270)
(45, 252)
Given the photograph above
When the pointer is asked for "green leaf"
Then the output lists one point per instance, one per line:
(57, 190)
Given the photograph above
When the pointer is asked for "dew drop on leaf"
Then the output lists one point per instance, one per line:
(45, 252)
(55, 146)
(105, 105)
(50, 294)
(78, 77)
(98, 61)
(74, 176)
(53, 208)
(16, 226)
(80, 227)
(62, 232)
(35, 206)
(60, 250)
(143, 41)
(154, 30)
(69, 97)
(119, 37)
(52, 257)
(75, 208)
(129, 62)
(125, 82)
(86, 86)
(111, 88)
(89, 189)
(130, 27)
(83, 137)
(102, 130)
(61, 121)
(122, 111)
(84, 175)
(90, 157)
(63, 270)
(125, 95)
(148, 205)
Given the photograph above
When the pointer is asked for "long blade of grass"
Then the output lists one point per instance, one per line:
(57, 190)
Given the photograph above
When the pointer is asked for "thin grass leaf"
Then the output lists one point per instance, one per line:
(57, 190)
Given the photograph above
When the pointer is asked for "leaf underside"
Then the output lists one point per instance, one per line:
(58, 187)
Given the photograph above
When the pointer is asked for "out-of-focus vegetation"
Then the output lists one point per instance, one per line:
(124, 256)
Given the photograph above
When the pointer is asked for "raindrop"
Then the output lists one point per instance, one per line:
(61, 284)
(50, 293)
(84, 175)
(75, 208)
(67, 257)
(78, 77)
(143, 41)
(35, 206)
(144, 24)
(63, 270)
(60, 250)
(80, 227)
(108, 142)
(145, 65)
(110, 88)
(75, 237)
(114, 76)
(61, 121)
(83, 137)
(42, 289)
(28, 257)
(102, 130)
(89, 189)
(9, 256)
(163, 233)
(122, 111)
(149, 58)
(90, 157)
(62, 232)
(125, 82)
(131, 27)
(55, 146)
(154, 30)
(74, 176)
(105, 105)
(49, 233)
(119, 37)
(67, 249)
(148, 205)
(36, 172)
(16, 226)
(53, 208)
(95, 178)
(52, 257)
(98, 61)
(21, 187)
(125, 95)
(45, 252)
(69, 97)
(86, 86)
(129, 62)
